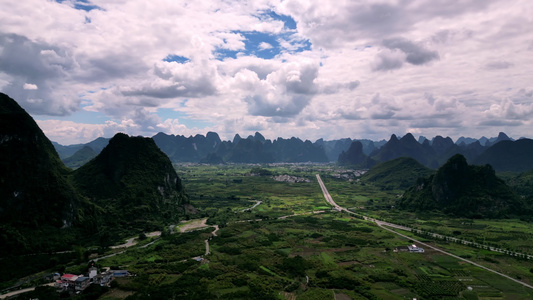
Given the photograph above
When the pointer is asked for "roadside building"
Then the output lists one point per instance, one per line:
(69, 279)
(93, 271)
(413, 248)
(410, 248)
(66, 282)
(82, 283)
(103, 278)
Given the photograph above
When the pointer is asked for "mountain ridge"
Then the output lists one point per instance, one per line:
(460, 189)
(44, 205)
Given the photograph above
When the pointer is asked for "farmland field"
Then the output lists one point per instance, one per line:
(292, 245)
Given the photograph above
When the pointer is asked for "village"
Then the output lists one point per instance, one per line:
(75, 284)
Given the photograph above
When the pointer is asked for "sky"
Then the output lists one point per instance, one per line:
(303, 68)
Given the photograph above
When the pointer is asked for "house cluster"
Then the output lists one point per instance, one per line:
(78, 283)
(411, 248)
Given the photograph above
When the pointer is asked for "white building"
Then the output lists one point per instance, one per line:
(414, 248)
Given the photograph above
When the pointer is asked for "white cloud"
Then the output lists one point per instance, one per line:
(264, 46)
(432, 63)
(30, 86)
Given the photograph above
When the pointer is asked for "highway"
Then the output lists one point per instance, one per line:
(383, 224)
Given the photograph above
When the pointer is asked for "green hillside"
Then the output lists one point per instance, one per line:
(35, 193)
(129, 187)
(513, 156)
(399, 173)
(80, 158)
(133, 182)
(462, 190)
(522, 183)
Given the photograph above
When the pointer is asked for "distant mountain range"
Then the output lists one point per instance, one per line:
(502, 153)
(210, 149)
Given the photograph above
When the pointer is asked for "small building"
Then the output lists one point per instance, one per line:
(52, 276)
(415, 249)
(103, 278)
(93, 272)
(82, 283)
(61, 285)
(69, 277)
(67, 281)
(410, 248)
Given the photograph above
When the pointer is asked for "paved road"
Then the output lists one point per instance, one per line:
(383, 224)
(326, 194)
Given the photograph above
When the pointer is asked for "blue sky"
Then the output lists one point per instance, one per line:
(311, 69)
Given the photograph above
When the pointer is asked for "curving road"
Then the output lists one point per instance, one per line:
(383, 224)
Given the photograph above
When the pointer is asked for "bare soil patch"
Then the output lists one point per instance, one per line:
(192, 225)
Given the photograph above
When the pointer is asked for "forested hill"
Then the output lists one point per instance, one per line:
(399, 173)
(36, 196)
(34, 189)
(513, 156)
(465, 190)
(133, 180)
(130, 186)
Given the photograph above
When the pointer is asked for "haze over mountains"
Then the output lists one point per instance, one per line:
(509, 155)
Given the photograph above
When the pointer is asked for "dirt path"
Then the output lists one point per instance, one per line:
(382, 224)
(129, 243)
(257, 202)
(10, 294)
(193, 225)
(132, 241)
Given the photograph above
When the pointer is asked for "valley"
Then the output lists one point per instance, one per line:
(311, 240)
(408, 221)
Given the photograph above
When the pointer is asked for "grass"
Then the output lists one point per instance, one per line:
(256, 259)
(269, 271)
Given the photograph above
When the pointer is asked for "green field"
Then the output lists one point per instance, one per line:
(293, 246)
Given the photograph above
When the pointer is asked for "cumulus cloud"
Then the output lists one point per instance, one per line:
(350, 64)
(508, 109)
(45, 66)
(264, 46)
(388, 60)
(191, 79)
(30, 86)
(497, 65)
(335, 87)
(400, 50)
(283, 93)
(415, 54)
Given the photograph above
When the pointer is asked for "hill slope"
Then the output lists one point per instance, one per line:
(462, 190)
(36, 197)
(80, 158)
(407, 146)
(133, 181)
(399, 173)
(355, 156)
(34, 189)
(514, 156)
